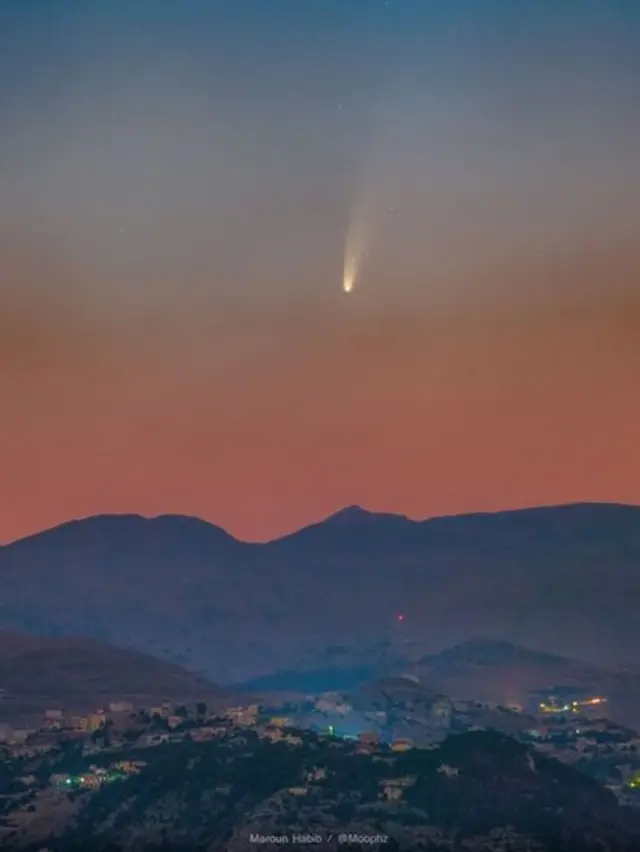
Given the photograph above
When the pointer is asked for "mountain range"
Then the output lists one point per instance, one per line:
(560, 579)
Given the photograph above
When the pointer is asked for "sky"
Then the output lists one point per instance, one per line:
(178, 182)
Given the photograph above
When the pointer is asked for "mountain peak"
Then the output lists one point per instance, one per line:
(350, 515)
(356, 515)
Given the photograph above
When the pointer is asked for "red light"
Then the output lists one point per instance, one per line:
(400, 617)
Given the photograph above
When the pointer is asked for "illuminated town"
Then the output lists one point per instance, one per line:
(554, 705)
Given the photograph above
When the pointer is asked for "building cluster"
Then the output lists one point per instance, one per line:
(98, 776)
(579, 739)
(120, 724)
(568, 735)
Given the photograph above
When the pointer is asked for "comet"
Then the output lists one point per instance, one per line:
(355, 249)
(349, 277)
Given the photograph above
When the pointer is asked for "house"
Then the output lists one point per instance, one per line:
(326, 705)
(369, 738)
(379, 716)
(402, 745)
(98, 770)
(243, 715)
(96, 721)
(332, 705)
(391, 792)
(120, 707)
(19, 735)
(155, 739)
(368, 742)
(448, 771)
(272, 734)
(441, 713)
(297, 791)
(393, 788)
(365, 748)
(317, 774)
(53, 715)
(89, 723)
(536, 733)
(129, 767)
(201, 735)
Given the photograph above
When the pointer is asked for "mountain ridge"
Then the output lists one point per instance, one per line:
(353, 514)
(558, 579)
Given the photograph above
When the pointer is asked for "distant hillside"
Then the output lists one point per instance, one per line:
(487, 670)
(559, 579)
(39, 673)
(516, 667)
(491, 653)
(467, 659)
(504, 673)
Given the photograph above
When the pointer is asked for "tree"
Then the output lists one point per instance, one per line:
(102, 735)
(159, 723)
(131, 735)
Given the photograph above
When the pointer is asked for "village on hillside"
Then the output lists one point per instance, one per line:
(571, 731)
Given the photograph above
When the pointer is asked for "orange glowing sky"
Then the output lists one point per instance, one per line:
(173, 336)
